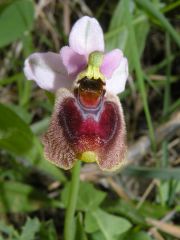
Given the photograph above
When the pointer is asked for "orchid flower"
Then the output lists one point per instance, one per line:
(88, 122)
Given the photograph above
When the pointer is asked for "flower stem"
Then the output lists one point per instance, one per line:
(72, 199)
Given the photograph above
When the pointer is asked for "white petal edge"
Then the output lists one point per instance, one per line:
(47, 70)
(116, 84)
(86, 36)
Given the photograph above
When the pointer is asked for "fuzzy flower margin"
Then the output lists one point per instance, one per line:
(75, 132)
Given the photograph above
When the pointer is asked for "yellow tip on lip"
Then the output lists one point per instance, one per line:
(88, 156)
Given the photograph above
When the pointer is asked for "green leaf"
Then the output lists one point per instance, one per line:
(80, 233)
(118, 33)
(15, 134)
(127, 210)
(138, 236)
(89, 198)
(48, 231)
(51, 97)
(110, 226)
(18, 197)
(30, 228)
(36, 158)
(90, 225)
(178, 208)
(8, 230)
(21, 112)
(164, 191)
(15, 19)
(40, 126)
(153, 210)
(11, 79)
(97, 236)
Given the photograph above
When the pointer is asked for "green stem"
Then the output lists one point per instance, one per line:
(73, 193)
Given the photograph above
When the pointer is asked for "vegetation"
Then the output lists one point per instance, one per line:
(140, 202)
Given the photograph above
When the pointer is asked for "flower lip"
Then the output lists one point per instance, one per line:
(99, 137)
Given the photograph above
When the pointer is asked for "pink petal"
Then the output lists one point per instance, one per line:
(73, 61)
(47, 70)
(110, 62)
(116, 84)
(86, 36)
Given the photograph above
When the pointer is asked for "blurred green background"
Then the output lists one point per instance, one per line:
(142, 201)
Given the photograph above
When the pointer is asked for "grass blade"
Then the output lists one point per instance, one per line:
(139, 74)
(150, 8)
(146, 172)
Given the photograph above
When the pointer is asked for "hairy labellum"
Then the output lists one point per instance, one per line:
(87, 124)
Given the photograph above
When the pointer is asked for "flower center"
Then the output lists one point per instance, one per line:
(90, 93)
(93, 68)
(90, 90)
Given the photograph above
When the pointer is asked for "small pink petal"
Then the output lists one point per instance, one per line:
(47, 70)
(86, 36)
(110, 62)
(73, 61)
(116, 84)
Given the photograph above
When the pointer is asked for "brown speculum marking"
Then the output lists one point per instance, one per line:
(90, 92)
(90, 122)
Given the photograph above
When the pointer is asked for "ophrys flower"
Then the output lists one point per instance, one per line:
(88, 121)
